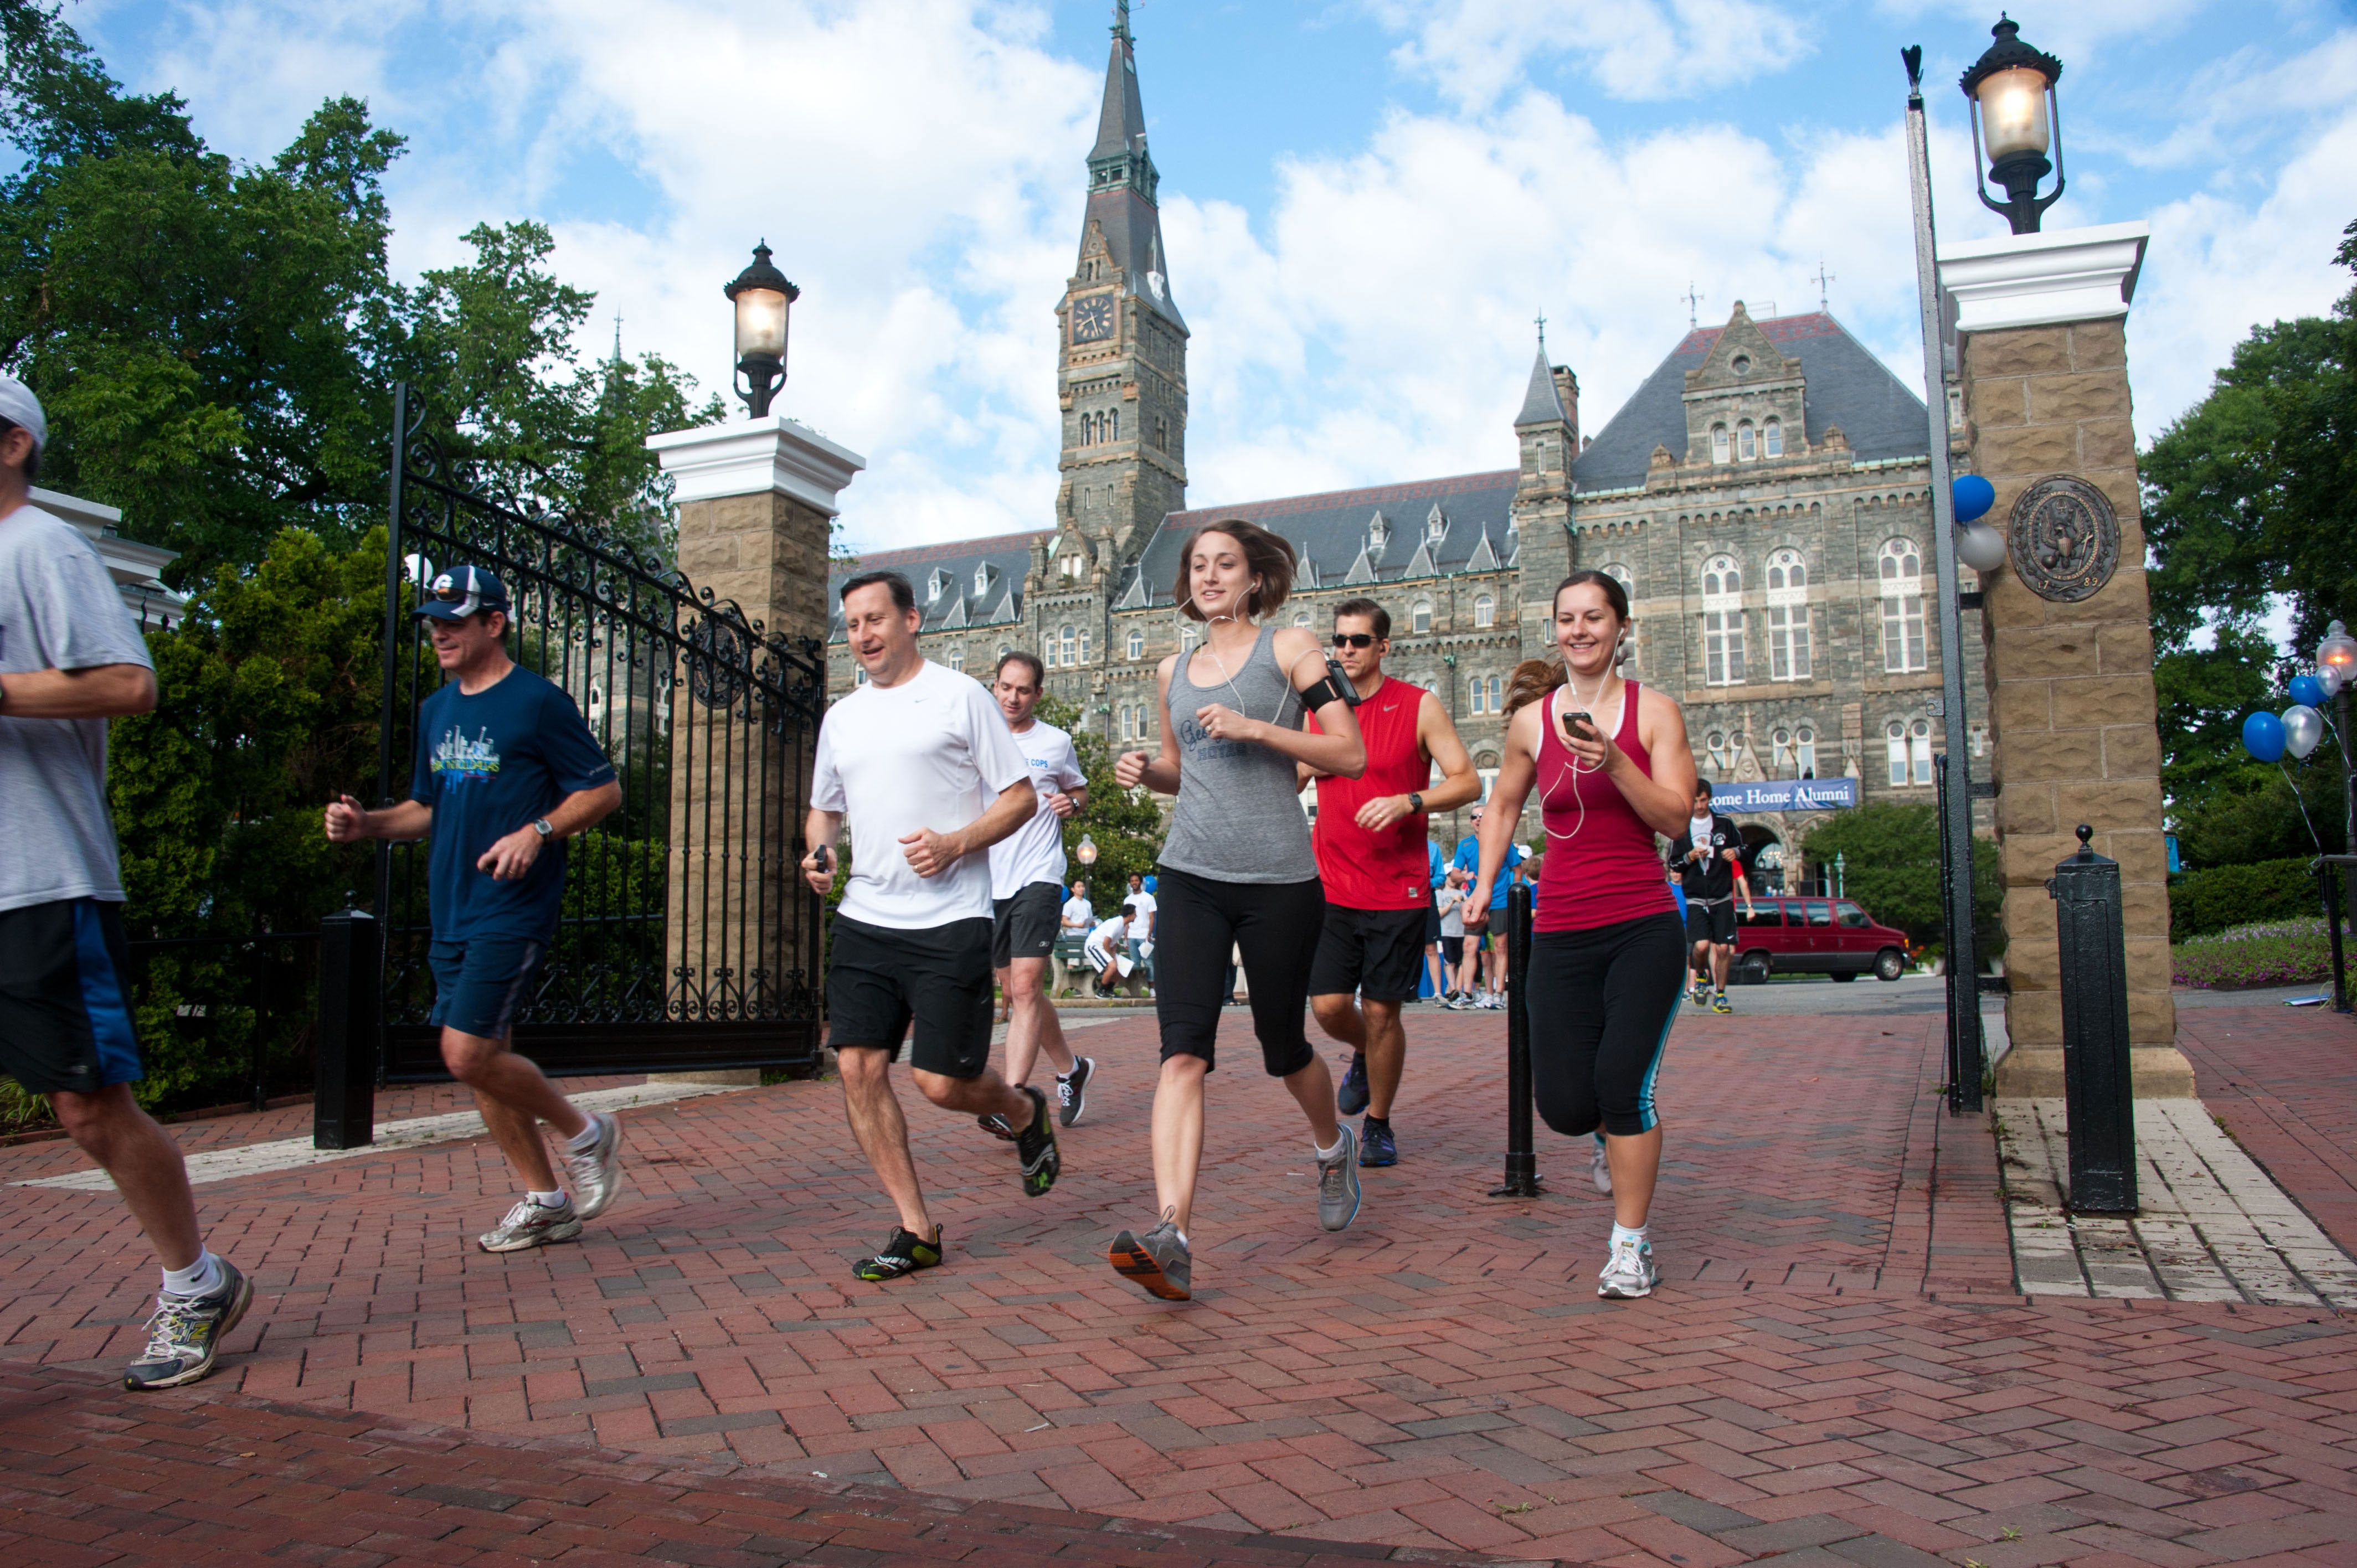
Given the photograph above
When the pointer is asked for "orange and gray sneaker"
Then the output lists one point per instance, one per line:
(1158, 1260)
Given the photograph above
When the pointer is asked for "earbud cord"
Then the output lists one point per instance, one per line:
(1573, 768)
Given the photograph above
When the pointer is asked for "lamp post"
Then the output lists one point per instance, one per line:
(2336, 665)
(763, 297)
(2014, 117)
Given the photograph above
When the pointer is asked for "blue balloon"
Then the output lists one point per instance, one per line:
(1973, 495)
(2262, 737)
(2307, 690)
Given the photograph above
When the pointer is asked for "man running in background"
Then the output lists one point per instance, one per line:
(1709, 861)
(1026, 872)
(70, 659)
(922, 760)
(506, 771)
(1373, 861)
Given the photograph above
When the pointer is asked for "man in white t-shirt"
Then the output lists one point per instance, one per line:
(936, 779)
(1141, 925)
(1027, 873)
(1079, 915)
(1107, 950)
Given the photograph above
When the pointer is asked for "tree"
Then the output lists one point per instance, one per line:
(1890, 865)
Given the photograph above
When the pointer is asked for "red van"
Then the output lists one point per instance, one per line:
(1814, 936)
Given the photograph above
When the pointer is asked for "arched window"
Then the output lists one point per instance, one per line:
(859, 674)
(1420, 617)
(1804, 751)
(1717, 744)
(1746, 442)
(1485, 611)
(1189, 634)
(1900, 574)
(1910, 748)
(1116, 424)
(1478, 694)
(597, 703)
(1301, 617)
(1137, 643)
(1497, 693)
(1619, 574)
(1722, 622)
(957, 658)
(1066, 644)
(1773, 435)
(1720, 451)
(1788, 616)
(1084, 645)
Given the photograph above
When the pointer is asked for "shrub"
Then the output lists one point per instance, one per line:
(2295, 953)
(2218, 897)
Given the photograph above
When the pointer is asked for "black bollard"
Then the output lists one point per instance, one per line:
(2095, 1062)
(352, 1013)
(1521, 1157)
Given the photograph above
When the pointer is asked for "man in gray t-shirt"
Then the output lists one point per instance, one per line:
(70, 659)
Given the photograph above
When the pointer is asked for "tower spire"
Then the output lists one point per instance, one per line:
(1123, 179)
(1542, 404)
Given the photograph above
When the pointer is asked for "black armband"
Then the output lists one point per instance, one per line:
(1335, 687)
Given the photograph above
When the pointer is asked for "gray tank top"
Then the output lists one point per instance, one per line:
(1238, 817)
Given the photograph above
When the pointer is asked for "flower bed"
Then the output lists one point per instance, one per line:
(2283, 953)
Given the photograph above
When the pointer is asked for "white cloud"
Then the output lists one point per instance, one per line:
(1478, 49)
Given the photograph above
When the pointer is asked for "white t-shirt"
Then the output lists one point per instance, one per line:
(1145, 904)
(1035, 851)
(1111, 934)
(932, 752)
(1079, 913)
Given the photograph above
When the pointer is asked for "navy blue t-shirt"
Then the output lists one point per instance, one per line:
(488, 765)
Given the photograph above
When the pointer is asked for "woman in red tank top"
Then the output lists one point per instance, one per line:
(1613, 767)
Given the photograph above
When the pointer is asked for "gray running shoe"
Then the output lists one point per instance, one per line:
(185, 1335)
(1629, 1273)
(1072, 1091)
(596, 1173)
(1338, 1184)
(1600, 1170)
(1159, 1259)
(531, 1224)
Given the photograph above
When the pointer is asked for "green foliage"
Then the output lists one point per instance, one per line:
(215, 343)
(2267, 813)
(2220, 896)
(2203, 695)
(1890, 865)
(1127, 829)
(2297, 952)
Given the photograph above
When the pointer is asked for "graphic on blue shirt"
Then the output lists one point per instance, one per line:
(487, 765)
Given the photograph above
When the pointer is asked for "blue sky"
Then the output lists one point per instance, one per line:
(1366, 202)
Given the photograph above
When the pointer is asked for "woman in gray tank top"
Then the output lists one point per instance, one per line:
(1237, 871)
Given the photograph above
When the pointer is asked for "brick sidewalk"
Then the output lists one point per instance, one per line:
(2284, 1083)
(1838, 1369)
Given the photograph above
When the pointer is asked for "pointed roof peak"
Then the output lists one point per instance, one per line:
(1542, 404)
(1121, 124)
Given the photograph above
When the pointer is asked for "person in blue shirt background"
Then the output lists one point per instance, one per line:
(1435, 977)
(505, 772)
(1493, 941)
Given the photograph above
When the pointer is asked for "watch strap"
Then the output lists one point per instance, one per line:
(540, 825)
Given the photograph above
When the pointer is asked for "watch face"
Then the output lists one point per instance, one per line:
(1092, 318)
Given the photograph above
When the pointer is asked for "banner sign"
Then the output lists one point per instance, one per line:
(1784, 795)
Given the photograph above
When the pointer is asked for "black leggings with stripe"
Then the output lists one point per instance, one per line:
(1602, 1002)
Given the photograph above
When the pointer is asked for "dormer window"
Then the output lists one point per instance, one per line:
(1773, 435)
(1436, 525)
(937, 584)
(1719, 449)
(1379, 534)
(982, 576)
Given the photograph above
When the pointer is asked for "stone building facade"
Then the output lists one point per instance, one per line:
(1764, 496)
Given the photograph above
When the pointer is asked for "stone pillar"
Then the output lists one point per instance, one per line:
(757, 506)
(2041, 324)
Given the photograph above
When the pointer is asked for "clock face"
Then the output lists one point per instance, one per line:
(1092, 318)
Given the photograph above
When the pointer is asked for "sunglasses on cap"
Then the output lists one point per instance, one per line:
(1353, 639)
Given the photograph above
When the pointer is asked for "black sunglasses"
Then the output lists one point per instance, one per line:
(1353, 639)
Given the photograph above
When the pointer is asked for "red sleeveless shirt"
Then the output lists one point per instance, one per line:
(1599, 866)
(1392, 869)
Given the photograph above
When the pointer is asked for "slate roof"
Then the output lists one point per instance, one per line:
(1542, 402)
(1846, 386)
(996, 601)
(1335, 534)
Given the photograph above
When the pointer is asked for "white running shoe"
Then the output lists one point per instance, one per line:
(596, 1173)
(1629, 1273)
(1599, 1171)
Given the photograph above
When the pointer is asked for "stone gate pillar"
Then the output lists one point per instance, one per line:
(2042, 327)
(757, 504)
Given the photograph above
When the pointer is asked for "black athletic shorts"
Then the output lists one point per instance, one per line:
(1713, 922)
(1452, 950)
(1200, 924)
(1025, 925)
(1431, 924)
(878, 979)
(65, 1003)
(1379, 953)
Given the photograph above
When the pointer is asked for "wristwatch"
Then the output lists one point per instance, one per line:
(540, 825)
(1415, 802)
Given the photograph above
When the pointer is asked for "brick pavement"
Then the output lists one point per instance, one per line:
(1839, 1370)
(2282, 1081)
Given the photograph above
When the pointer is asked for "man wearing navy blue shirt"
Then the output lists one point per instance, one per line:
(505, 773)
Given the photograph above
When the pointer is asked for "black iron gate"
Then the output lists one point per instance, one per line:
(688, 940)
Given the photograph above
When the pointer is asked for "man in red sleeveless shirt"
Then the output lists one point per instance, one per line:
(1370, 837)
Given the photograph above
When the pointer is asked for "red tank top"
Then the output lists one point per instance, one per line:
(1392, 869)
(1599, 868)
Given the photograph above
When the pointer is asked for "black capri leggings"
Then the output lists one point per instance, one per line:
(1277, 924)
(1602, 1002)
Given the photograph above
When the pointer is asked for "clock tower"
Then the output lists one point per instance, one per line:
(1121, 358)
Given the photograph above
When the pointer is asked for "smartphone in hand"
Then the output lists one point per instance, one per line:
(1579, 726)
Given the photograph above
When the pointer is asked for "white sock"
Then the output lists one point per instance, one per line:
(549, 1199)
(1183, 1236)
(1326, 1155)
(201, 1278)
(579, 1142)
(1622, 1233)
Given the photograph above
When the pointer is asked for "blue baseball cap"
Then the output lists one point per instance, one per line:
(456, 595)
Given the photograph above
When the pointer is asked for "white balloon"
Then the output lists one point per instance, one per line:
(2303, 729)
(2330, 679)
(1980, 546)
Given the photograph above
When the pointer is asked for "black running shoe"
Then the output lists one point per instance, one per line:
(905, 1253)
(995, 1125)
(1072, 1091)
(1352, 1097)
(1036, 1146)
(1375, 1144)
